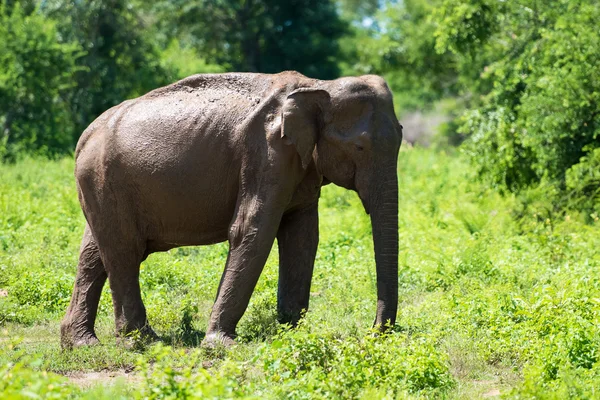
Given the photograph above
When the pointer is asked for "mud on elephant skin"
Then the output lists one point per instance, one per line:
(233, 157)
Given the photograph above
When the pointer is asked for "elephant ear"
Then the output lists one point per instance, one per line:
(303, 115)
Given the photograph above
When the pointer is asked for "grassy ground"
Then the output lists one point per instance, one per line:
(499, 296)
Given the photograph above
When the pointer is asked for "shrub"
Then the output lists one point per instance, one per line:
(535, 110)
(345, 368)
(583, 182)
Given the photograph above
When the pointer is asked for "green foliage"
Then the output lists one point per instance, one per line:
(496, 292)
(260, 36)
(347, 368)
(524, 71)
(189, 380)
(399, 43)
(183, 60)
(298, 364)
(66, 63)
(120, 61)
(570, 384)
(48, 290)
(38, 217)
(464, 26)
(356, 10)
(532, 69)
(36, 77)
(19, 381)
(583, 182)
(261, 323)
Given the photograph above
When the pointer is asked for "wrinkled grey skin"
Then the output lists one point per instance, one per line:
(237, 157)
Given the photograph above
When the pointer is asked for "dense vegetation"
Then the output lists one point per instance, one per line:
(521, 75)
(493, 296)
(500, 237)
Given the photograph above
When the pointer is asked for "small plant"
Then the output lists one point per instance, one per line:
(260, 322)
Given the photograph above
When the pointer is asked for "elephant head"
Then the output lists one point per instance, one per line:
(349, 129)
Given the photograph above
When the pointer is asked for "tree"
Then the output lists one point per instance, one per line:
(120, 61)
(36, 79)
(260, 35)
(356, 11)
(537, 109)
(398, 42)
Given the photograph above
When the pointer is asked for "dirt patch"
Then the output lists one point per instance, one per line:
(3, 292)
(88, 379)
(485, 382)
(492, 393)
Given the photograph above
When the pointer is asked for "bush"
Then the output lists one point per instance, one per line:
(524, 75)
(346, 368)
(583, 182)
(535, 109)
(299, 364)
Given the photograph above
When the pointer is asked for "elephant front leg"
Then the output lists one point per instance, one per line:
(298, 237)
(250, 240)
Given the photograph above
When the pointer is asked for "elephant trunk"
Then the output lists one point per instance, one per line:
(384, 220)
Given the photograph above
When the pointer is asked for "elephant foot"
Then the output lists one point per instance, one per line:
(137, 337)
(149, 334)
(217, 339)
(88, 340)
(290, 318)
(71, 337)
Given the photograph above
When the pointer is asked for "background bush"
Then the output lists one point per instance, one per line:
(534, 110)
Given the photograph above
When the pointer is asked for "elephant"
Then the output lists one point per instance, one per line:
(237, 157)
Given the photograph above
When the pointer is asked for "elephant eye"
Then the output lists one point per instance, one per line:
(359, 147)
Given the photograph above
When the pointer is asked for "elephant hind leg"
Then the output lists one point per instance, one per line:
(77, 327)
(122, 262)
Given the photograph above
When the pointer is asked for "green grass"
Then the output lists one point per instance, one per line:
(497, 294)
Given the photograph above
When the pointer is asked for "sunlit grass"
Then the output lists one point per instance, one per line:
(494, 297)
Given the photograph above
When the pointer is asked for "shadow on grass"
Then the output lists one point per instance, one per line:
(190, 338)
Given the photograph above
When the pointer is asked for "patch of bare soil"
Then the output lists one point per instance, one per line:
(492, 392)
(105, 378)
(3, 292)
